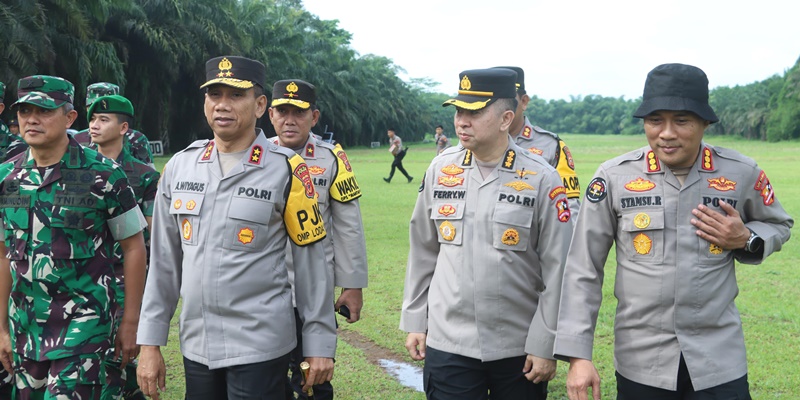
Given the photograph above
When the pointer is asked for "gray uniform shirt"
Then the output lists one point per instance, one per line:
(548, 145)
(220, 243)
(675, 290)
(486, 259)
(338, 190)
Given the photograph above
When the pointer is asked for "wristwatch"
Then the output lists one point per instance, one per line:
(753, 244)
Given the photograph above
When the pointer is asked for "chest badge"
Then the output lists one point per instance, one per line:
(447, 230)
(642, 243)
(640, 185)
(316, 170)
(536, 151)
(187, 229)
(245, 235)
(641, 220)
(519, 185)
(722, 184)
(190, 205)
(510, 237)
(714, 249)
(450, 181)
(447, 210)
(177, 204)
(452, 169)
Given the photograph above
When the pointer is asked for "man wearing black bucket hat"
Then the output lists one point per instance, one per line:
(680, 211)
(224, 212)
(488, 237)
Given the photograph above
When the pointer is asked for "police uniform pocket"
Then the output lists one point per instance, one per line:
(72, 232)
(186, 206)
(449, 220)
(511, 227)
(643, 235)
(247, 224)
(15, 228)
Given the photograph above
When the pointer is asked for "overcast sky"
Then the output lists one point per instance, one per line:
(576, 47)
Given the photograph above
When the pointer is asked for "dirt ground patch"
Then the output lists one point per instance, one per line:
(372, 351)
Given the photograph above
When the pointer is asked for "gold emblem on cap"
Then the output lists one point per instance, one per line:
(448, 231)
(225, 65)
(641, 220)
(465, 83)
(642, 243)
(714, 249)
(510, 237)
(292, 89)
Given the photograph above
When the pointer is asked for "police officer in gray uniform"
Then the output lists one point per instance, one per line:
(680, 211)
(224, 211)
(544, 143)
(488, 237)
(293, 113)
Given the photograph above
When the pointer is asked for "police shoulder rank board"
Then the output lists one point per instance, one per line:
(345, 187)
(302, 216)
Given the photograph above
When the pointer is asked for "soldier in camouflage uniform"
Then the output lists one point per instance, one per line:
(136, 142)
(546, 144)
(109, 118)
(62, 212)
(10, 145)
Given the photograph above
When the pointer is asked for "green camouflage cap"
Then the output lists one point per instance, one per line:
(98, 89)
(2, 91)
(45, 91)
(114, 104)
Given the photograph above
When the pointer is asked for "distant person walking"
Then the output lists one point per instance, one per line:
(397, 150)
(441, 139)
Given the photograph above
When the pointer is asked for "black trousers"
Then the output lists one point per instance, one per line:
(259, 381)
(734, 390)
(295, 384)
(448, 376)
(398, 163)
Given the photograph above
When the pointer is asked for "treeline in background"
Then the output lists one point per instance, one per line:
(155, 50)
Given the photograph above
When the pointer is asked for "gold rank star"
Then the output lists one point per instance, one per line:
(255, 156)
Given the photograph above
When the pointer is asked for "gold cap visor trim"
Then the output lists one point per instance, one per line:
(466, 105)
(237, 83)
(297, 103)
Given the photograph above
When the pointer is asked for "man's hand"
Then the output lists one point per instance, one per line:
(581, 376)
(539, 369)
(6, 355)
(151, 373)
(321, 371)
(415, 344)
(726, 231)
(354, 300)
(125, 342)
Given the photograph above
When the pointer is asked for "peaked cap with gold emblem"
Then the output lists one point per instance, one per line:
(294, 92)
(520, 78)
(478, 88)
(234, 71)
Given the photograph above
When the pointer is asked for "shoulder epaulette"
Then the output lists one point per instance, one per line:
(627, 157)
(281, 150)
(543, 131)
(733, 155)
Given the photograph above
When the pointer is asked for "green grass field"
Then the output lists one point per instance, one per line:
(769, 300)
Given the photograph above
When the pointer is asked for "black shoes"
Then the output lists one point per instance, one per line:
(410, 178)
(387, 180)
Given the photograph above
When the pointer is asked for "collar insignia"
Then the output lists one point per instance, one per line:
(310, 150)
(467, 161)
(708, 161)
(207, 153)
(255, 155)
(652, 162)
(511, 155)
(526, 133)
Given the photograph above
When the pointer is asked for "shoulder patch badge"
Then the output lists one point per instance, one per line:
(510, 237)
(557, 191)
(765, 188)
(447, 230)
(570, 161)
(722, 184)
(642, 243)
(342, 156)
(301, 172)
(564, 212)
(596, 191)
(640, 185)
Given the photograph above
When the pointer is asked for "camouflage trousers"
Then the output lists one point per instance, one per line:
(6, 384)
(76, 377)
(120, 383)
